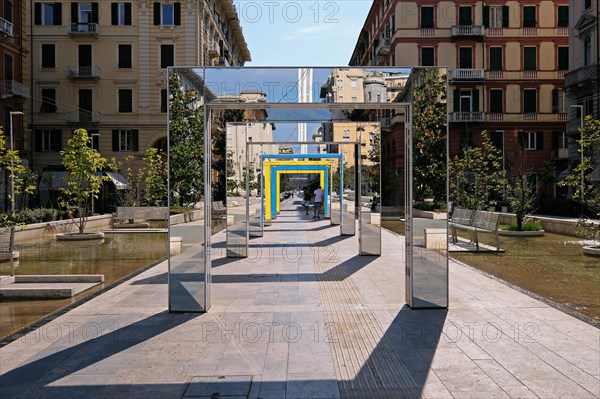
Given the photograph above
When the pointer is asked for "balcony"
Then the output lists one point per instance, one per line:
(515, 117)
(468, 31)
(529, 32)
(223, 61)
(12, 88)
(467, 74)
(83, 116)
(83, 29)
(83, 72)
(581, 75)
(467, 117)
(6, 28)
(383, 48)
(560, 153)
(213, 49)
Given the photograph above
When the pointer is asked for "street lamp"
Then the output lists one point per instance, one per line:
(580, 107)
(12, 171)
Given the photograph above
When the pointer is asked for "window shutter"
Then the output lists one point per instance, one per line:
(127, 13)
(38, 140)
(555, 139)
(505, 16)
(456, 100)
(554, 101)
(476, 100)
(95, 13)
(74, 13)
(486, 16)
(539, 140)
(521, 139)
(177, 14)
(114, 13)
(58, 139)
(38, 13)
(135, 139)
(57, 13)
(156, 13)
(115, 140)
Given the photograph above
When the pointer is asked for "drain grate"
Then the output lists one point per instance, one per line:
(223, 386)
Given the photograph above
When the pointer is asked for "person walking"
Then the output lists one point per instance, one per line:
(318, 201)
(307, 198)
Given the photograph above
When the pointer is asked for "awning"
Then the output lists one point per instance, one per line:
(54, 180)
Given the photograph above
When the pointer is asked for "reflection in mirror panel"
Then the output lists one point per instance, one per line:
(369, 137)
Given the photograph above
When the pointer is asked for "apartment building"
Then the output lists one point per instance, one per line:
(103, 66)
(507, 61)
(582, 81)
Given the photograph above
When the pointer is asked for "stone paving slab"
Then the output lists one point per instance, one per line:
(324, 323)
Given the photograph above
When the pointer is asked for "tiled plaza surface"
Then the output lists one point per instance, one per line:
(306, 317)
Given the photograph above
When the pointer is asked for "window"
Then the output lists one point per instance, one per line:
(120, 13)
(48, 13)
(48, 140)
(48, 100)
(588, 105)
(529, 140)
(530, 58)
(495, 16)
(125, 100)
(563, 16)
(466, 140)
(124, 140)
(532, 181)
(563, 58)
(353, 83)
(466, 100)
(48, 56)
(163, 100)
(84, 13)
(427, 56)
(497, 139)
(8, 10)
(167, 14)
(559, 101)
(559, 140)
(529, 20)
(465, 16)
(167, 55)
(346, 135)
(587, 4)
(496, 101)
(95, 136)
(8, 67)
(529, 100)
(587, 50)
(465, 57)
(124, 56)
(495, 58)
(355, 99)
(427, 17)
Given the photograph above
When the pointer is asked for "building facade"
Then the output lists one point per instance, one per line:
(506, 59)
(103, 66)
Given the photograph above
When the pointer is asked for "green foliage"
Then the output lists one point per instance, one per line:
(348, 178)
(155, 178)
(476, 176)
(83, 182)
(175, 209)
(129, 195)
(186, 147)
(429, 135)
(219, 148)
(29, 216)
(586, 186)
(372, 173)
(529, 226)
(24, 180)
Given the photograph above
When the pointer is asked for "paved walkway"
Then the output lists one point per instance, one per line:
(309, 319)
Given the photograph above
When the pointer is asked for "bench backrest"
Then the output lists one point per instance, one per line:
(143, 212)
(486, 220)
(462, 216)
(7, 239)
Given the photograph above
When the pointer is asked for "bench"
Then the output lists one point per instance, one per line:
(475, 221)
(7, 250)
(218, 209)
(131, 214)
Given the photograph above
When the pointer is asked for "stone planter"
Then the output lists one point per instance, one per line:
(591, 251)
(79, 237)
(418, 213)
(510, 233)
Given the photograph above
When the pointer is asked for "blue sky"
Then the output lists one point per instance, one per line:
(301, 32)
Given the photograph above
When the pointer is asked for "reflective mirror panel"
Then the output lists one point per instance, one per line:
(369, 138)
(236, 171)
(348, 208)
(254, 204)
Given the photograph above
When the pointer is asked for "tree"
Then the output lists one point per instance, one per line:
(429, 135)
(583, 177)
(23, 179)
(129, 196)
(520, 194)
(83, 180)
(154, 177)
(476, 176)
(186, 147)
(219, 150)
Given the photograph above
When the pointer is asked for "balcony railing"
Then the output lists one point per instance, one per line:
(562, 31)
(495, 32)
(83, 72)
(223, 61)
(383, 48)
(6, 28)
(427, 32)
(529, 74)
(467, 30)
(467, 117)
(83, 116)
(90, 28)
(529, 31)
(467, 74)
(14, 88)
(582, 74)
(528, 117)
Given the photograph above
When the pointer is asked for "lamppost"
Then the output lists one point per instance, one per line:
(12, 171)
(580, 107)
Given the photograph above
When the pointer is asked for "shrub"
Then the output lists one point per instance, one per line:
(529, 226)
(30, 216)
